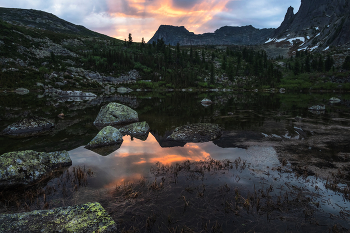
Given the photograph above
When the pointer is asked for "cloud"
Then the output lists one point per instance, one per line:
(142, 18)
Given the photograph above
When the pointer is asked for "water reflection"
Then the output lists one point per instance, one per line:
(134, 158)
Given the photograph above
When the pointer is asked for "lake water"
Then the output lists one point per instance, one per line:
(267, 172)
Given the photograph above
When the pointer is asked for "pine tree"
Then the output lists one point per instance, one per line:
(346, 64)
(307, 64)
(320, 66)
(296, 69)
(212, 74)
(224, 65)
(329, 63)
(130, 39)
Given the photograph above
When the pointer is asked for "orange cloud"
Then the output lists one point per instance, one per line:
(142, 18)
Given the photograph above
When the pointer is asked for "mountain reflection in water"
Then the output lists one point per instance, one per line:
(134, 158)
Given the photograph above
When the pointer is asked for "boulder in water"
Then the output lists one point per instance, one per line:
(25, 167)
(334, 100)
(135, 129)
(114, 113)
(28, 127)
(200, 132)
(106, 137)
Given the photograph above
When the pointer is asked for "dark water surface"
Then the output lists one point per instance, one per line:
(243, 182)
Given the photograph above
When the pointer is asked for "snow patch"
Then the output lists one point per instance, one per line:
(296, 38)
(318, 34)
(326, 48)
(317, 28)
(313, 48)
(269, 40)
(279, 40)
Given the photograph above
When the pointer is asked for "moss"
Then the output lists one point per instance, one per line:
(114, 113)
(199, 132)
(107, 136)
(90, 217)
(137, 128)
(24, 167)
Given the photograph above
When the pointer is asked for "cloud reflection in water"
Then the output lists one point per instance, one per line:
(135, 157)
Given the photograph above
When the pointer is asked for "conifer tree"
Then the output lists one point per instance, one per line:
(307, 64)
(212, 74)
(329, 63)
(346, 64)
(130, 39)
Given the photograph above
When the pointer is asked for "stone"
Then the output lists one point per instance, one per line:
(206, 102)
(124, 90)
(200, 132)
(106, 137)
(26, 167)
(334, 100)
(318, 107)
(114, 113)
(28, 127)
(22, 91)
(85, 218)
(135, 129)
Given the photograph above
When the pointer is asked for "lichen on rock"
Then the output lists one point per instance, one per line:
(135, 129)
(200, 132)
(114, 113)
(28, 126)
(25, 167)
(106, 137)
(89, 217)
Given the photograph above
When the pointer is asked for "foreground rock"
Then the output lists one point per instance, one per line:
(106, 137)
(90, 217)
(26, 167)
(28, 127)
(136, 129)
(114, 113)
(200, 132)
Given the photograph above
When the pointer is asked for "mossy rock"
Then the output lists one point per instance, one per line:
(114, 113)
(106, 137)
(90, 217)
(26, 167)
(135, 129)
(28, 127)
(200, 132)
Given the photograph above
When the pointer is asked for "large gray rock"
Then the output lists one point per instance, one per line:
(29, 126)
(90, 217)
(135, 129)
(106, 137)
(26, 167)
(200, 132)
(114, 113)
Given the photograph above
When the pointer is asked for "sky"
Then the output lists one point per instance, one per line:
(141, 18)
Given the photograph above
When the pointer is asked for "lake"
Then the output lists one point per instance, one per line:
(281, 164)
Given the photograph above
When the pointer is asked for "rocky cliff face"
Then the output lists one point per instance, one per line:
(247, 35)
(321, 23)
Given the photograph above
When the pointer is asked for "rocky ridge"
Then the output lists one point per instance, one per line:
(246, 35)
(318, 25)
(43, 20)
